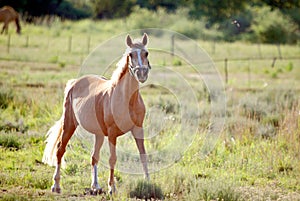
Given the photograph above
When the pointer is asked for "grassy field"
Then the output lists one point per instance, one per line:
(257, 156)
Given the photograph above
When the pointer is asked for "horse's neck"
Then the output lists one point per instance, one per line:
(128, 87)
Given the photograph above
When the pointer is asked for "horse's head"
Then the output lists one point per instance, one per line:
(137, 54)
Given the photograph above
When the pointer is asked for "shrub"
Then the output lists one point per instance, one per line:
(213, 190)
(142, 18)
(289, 67)
(10, 141)
(6, 97)
(271, 26)
(146, 190)
(233, 30)
(177, 62)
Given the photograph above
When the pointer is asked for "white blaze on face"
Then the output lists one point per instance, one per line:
(139, 57)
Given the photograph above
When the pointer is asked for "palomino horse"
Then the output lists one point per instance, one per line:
(7, 15)
(105, 108)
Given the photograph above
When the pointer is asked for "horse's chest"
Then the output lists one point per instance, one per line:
(124, 119)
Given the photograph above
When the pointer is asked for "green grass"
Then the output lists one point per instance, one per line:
(255, 158)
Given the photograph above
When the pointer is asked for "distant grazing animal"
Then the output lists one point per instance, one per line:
(105, 108)
(7, 15)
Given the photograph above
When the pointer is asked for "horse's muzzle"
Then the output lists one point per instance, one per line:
(142, 73)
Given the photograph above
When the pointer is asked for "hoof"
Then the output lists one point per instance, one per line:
(112, 189)
(92, 191)
(55, 189)
(95, 187)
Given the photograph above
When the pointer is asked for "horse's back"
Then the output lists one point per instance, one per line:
(88, 84)
(86, 92)
(7, 13)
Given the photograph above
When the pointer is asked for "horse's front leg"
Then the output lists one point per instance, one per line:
(138, 133)
(56, 177)
(95, 158)
(112, 162)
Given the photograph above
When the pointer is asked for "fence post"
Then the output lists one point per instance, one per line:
(226, 70)
(70, 44)
(273, 62)
(279, 51)
(8, 43)
(172, 44)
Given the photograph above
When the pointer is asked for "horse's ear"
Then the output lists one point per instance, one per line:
(145, 39)
(128, 41)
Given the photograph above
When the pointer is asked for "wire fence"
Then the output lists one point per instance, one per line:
(63, 46)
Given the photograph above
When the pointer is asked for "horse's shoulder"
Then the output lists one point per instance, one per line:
(139, 105)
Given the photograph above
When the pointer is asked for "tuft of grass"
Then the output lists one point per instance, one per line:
(274, 75)
(6, 97)
(10, 141)
(54, 59)
(10, 197)
(146, 190)
(289, 67)
(213, 190)
(72, 169)
(177, 62)
(62, 64)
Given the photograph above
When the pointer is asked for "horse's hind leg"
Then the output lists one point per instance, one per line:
(4, 28)
(95, 158)
(69, 127)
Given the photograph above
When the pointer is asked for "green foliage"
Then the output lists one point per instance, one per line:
(10, 141)
(177, 62)
(13, 198)
(289, 67)
(178, 21)
(111, 8)
(222, 9)
(67, 10)
(170, 5)
(6, 97)
(72, 169)
(282, 4)
(213, 190)
(271, 26)
(274, 75)
(62, 8)
(146, 190)
(142, 18)
(255, 158)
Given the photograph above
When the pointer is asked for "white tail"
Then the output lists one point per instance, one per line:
(52, 140)
(54, 135)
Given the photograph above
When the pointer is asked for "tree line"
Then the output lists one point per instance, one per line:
(213, 12)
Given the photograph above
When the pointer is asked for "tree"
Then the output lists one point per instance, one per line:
(169, 5)
(216, 11)
(287, 7)
(39, 8)
(111, 8)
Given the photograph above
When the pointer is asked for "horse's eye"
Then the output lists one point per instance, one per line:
(130, 54)
(146, 54)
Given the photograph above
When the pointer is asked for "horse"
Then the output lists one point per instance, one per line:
(7, 15)
(103, 107)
